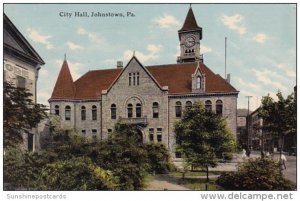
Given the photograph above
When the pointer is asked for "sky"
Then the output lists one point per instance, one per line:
(261, 41)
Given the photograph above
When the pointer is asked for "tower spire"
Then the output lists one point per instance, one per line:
(65, 57)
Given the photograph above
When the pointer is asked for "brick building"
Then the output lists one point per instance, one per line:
(154, 97)
(21, 68)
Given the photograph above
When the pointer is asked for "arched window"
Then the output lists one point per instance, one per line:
(94, 112)
(208, 105)
(83, 113)
(138, 110)
(219, 107)
(198, 82)
(56, 112)
(188, 105)
(67, 112)
(113, 111)
(178, 109)
(129, 110)
(155, 110)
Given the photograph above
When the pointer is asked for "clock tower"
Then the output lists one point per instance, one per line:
(189, 36)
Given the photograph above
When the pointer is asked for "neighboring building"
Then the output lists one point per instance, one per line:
(255, 130)
(21, 67)
(153, 97)
(241, 132)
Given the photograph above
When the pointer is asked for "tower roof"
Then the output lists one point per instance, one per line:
(64, 87)
(190, 22)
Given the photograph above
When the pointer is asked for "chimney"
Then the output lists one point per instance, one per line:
(119, 64)
(228, 78)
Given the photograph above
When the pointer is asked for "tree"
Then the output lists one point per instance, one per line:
(78, 173)
(279, 117)
(256, 174)
(20, 114)
(202, 137)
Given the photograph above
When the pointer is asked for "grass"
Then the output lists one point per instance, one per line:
(199, 184)
(192, 180)
(194, 173)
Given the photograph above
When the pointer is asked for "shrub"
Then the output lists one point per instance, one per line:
(76, 174)
(158, 158)
(256, 174)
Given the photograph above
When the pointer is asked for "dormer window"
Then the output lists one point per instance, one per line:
(198, 82)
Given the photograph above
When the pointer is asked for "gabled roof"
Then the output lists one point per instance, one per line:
(190, 22)
(64, 86)
(178, 78)
(15, 43)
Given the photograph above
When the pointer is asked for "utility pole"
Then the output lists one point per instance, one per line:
(249, 140)
(225, 57)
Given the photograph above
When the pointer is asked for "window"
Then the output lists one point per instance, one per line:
(178, 109)
(159, 134)
(188, 105)
(198, 82)
(94, 112)
(94, 133)
(129, 79)
(67, 113)
(30, 142)
(56, 110)
(137, 78)
(83, 132)
(155, 110)
(138, 110)
(219, 107)
(133, 78)
(21, 82)
(113, 111)
(178, 154)
(151, 134)
(208, 105)
(129, 110)
(109, 131)
(83, 113)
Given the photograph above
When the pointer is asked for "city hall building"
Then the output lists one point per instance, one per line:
(152, 97)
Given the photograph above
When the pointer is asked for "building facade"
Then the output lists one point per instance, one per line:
(21, 65)
(153, 97)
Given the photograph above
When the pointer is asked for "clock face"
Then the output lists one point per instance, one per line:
(189, 41)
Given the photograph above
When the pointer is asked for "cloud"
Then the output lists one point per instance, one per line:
(205, 49)
(249, 85)
(234, 22)
(289, 71)
(73, 46)
(152, 54)
(167, 21)
(93, 37)
(74, 68)
(267, 77)
(260, 38)
(38, 38)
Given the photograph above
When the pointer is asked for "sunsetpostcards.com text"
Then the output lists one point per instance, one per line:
(25, 196)
(247, 196)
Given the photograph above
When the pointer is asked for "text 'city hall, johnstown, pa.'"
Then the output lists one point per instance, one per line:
(153, 97)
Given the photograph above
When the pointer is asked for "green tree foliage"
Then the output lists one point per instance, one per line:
(20, 114)
(21, 169)
(158, 158)
(279, 117)
(256, 174)
(76, 174)
(203, 137)
(73, 162)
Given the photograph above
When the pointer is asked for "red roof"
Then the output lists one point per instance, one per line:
(178, 77)
(190, 22)
(64, 87)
